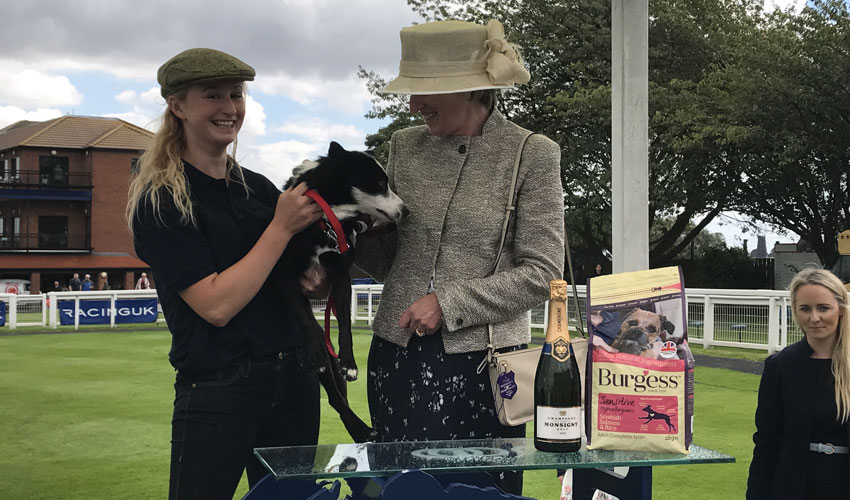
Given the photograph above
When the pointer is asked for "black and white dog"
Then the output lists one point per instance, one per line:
(353, 184)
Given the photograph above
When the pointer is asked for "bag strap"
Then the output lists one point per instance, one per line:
(573, 281)
(510, 208)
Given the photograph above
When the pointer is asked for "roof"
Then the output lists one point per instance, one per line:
(65, 261)
(76, 132)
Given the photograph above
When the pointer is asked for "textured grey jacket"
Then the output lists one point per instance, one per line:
(456, 189)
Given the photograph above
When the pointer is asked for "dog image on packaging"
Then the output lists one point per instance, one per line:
(639, 390)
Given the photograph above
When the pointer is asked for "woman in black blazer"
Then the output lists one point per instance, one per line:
(802, 431)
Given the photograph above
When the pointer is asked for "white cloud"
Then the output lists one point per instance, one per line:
(320, 132)
(140, 117)
(348, 95)
(325, 37)
(309, 139)
(12, 114)
(796, 5)
(255, 119)
(29, 88)
(152, 96)
(126, 96)
(277, 160)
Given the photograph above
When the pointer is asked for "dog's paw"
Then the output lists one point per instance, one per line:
(350, 374)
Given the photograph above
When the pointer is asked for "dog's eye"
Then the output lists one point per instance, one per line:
(633, 322)
(650, 329)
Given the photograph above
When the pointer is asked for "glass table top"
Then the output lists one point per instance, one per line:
(472, 455)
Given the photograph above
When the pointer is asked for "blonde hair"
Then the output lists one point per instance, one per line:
(160, 169)
(841, 350)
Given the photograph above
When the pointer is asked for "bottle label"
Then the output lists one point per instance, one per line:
(558, 424)
(561, 350)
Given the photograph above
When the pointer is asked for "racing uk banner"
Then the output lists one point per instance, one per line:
(96, 311)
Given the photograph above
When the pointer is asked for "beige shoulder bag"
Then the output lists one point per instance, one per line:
(512, 373)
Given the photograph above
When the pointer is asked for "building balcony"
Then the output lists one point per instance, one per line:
(36, 184)
(45, 242)
(39, 179)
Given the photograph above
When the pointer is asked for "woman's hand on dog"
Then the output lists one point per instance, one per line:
(294, 211)
(423, 317)
(314, 282)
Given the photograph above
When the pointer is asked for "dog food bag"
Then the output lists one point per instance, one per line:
(639, 392)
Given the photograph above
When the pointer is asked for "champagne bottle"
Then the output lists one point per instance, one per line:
(557, 385)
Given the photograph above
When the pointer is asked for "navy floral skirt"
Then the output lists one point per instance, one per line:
(420, 393)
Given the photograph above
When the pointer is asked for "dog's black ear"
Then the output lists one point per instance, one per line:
(667, 326)
(335, 149)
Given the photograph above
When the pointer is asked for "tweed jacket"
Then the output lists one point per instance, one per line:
(783, 422)
(456, 189)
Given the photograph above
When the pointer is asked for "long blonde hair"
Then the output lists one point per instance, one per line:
(841, 350)
(160, 169)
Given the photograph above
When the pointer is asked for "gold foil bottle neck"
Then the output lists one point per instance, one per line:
(558, 290)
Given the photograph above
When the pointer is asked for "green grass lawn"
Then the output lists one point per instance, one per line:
(87, 416)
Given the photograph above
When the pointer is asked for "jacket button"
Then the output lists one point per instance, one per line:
(459, 321)
(462, 149)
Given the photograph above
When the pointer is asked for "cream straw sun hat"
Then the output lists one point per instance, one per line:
(444, 57)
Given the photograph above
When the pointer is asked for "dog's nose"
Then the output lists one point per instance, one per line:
(404, 211)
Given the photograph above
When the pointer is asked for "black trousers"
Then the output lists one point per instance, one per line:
(220, 418)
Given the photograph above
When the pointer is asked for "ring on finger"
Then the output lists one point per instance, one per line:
(420, 332)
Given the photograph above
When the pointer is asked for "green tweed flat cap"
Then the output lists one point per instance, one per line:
(197, 65)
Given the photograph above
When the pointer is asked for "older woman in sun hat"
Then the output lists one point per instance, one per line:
(440, 289)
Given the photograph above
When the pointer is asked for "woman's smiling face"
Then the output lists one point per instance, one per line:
(447, 114)
(818, 313)
(212, 113)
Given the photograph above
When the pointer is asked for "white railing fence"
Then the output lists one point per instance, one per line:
(25, 310)
(42, 309)
(751, 319)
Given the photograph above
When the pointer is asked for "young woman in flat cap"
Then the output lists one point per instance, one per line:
(211, 232)
(441, 292)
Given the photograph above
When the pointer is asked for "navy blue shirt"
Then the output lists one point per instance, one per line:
(229, 223)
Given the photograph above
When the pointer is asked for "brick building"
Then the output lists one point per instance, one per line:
(63, 190)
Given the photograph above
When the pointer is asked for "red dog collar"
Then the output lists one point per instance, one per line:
(329, 214)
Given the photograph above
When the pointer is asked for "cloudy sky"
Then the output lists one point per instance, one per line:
(99, 58)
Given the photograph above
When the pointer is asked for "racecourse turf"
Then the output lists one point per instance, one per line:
(87, 416)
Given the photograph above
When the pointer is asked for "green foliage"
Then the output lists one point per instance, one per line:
(793, 95)
(748, 112)
(738, 270)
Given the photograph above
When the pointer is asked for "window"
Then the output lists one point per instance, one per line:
(134, 166)
(53, 170)
(10, 169)
(52, 231)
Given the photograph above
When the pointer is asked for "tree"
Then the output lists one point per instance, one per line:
(567, 47)
(793, 102)
(748, 111)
